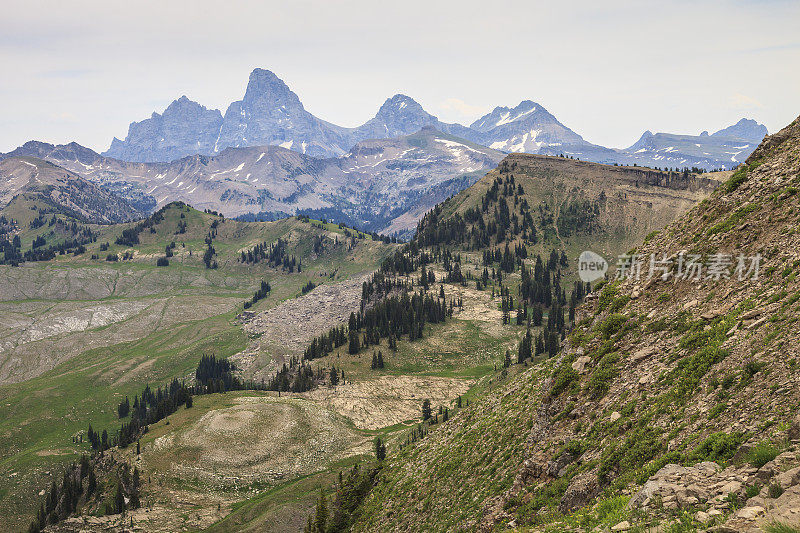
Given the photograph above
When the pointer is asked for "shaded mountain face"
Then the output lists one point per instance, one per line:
(399, 115)
(384, 184)
(270, 113)
(184, 127)
(745, 129)
(36, 178)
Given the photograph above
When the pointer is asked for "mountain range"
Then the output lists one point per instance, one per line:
(270, 113)
(375, 184)
(267, 157)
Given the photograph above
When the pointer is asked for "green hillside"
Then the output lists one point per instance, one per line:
(81, 332)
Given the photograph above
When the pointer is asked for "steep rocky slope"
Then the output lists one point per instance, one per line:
(185, 127)
(673, 401)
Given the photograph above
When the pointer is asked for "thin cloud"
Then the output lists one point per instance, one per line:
(742, 101)
(67, 74)
(462, 108)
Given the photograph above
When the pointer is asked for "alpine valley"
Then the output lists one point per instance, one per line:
(261, 321)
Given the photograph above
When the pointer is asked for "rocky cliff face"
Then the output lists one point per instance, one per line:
(271, 114)
(185, 127)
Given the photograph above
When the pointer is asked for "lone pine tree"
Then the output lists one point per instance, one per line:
(426, 409)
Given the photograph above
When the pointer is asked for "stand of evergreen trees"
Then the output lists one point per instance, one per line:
(80, 487)
(260, 294)
(212, 375)
(130, 236)
(391, 318)
(491, 221)
(340, 514)
(308, 287)
(275, 255)
(298, 376)
(74, 241)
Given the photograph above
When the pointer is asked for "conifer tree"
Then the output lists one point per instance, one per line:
(525, 347)
(321, 518)
(119, 500)
(380, 449)
(426, 409)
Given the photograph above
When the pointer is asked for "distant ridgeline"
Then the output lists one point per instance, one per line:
(68, 233)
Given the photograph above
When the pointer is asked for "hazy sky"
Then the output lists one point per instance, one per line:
(83, 70)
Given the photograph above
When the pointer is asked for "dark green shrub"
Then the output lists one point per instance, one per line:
(717, 447)
(763, 453)
(612, 325)
(740, 176)
(716, 410)
(607, 295)
(603, 375)
(753, 490)
(775, 490)
(563, 378)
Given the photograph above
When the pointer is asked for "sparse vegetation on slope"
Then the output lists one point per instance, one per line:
(615, 430)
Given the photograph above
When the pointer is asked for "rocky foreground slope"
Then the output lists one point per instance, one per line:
(674, 400)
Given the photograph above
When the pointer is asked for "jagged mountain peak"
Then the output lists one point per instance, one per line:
(265, 87)
(270, 113)
(400, 103)
(183, 104)
(42, 150)
(527, 127)
(747, 129)
(502, 115)
(399, 115)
